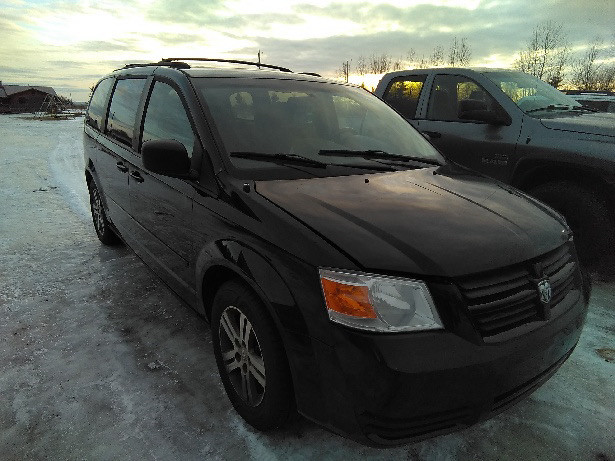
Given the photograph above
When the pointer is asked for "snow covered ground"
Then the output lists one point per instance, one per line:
(99, 360)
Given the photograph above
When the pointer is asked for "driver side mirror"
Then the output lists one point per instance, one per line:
(471, 109)
(167, 157)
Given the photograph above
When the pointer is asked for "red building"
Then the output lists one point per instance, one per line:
(21, 98)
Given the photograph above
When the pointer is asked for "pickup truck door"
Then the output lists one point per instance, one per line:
(449, 123)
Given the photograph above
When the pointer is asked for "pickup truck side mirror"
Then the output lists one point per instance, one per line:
(470, 109)
(167, 157)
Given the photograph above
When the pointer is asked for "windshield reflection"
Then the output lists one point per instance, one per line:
(531, 94)
(300, 118)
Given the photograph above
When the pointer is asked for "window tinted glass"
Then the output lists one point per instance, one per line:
(242, 105)
(403, 94)
(123, 109)
(349, 113)
(166, 118)
(96, 109)
(530, 93)
(302, 118)
(454, 97)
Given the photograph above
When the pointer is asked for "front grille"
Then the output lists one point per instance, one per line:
(501, 300)
(406, 428)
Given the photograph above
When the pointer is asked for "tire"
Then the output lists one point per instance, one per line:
(99, 217)
(589, 217)
(251, 358)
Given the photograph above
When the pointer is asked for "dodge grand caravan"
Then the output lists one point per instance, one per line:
(349, 272)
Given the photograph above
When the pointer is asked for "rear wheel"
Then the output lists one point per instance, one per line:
(589, 217)
(251, 358)
(101, 223)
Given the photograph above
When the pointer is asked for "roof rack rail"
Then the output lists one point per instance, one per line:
(313, 74)
(177, 65)
(232, 61)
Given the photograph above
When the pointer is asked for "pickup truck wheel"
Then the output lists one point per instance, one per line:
(251, 358)
(99, 217)
(589, 217)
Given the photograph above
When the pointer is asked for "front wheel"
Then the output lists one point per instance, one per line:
(251, 358)
(588, 215)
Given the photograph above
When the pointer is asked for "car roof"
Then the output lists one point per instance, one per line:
(447, 70)
(224, 69)
(236, 72)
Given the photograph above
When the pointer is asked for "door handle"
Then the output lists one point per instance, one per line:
(120, 166)
(137, 176)
(433, 134)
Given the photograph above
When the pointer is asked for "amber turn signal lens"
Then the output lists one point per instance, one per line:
(350, 300)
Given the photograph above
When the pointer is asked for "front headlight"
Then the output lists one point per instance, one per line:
(378, 303)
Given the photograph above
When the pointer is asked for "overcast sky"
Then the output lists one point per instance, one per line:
(71, 44)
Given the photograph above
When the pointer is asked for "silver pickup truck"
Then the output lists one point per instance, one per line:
(520, 130)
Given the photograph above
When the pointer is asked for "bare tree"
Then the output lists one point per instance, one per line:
(411, 56)
(361, 67)
(344, 70)
(587, 68)
(459, 54)
(397, 64)
(437, 56)
(379, 64)
(385, 63)
(423, 63)
(605, 78)
(547, 53)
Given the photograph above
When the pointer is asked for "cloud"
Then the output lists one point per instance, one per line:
(184, 11)
(177, 39)
(107, 45)
(81, 40)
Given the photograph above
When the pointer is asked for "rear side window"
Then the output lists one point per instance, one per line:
(403, 94)
(123, 109)
(96, 109)
(166, 118)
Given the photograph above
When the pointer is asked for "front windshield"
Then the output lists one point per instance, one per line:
(307, 119)
(531, 94)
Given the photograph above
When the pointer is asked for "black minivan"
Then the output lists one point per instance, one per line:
(349, 271)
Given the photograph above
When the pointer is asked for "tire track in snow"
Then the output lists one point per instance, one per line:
(66, 166)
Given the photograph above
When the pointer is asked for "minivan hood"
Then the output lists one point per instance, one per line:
(600, 123)
(421, 221)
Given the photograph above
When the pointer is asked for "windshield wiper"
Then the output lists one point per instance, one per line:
(279, 158)
(376, 154)
(549, 107)
(294, 158)
(587, 108)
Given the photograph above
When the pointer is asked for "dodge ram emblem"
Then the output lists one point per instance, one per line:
(544, 291)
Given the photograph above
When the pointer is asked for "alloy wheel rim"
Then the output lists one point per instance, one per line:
(242, 356)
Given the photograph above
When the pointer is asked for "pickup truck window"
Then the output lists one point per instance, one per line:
(403, 94)
(453, 97)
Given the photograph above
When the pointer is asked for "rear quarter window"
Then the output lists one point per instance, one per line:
(98, 103)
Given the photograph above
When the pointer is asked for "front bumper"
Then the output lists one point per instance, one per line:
(383, 390)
